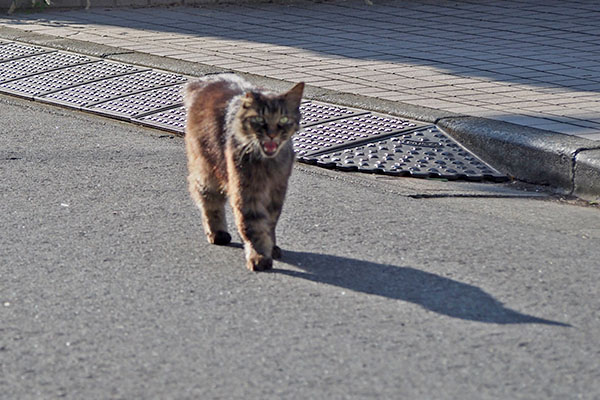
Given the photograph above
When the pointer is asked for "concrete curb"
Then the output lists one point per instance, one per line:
(587, 174)
(532, 155)
(569, 164)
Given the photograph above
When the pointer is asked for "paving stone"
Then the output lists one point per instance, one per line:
(531, 39)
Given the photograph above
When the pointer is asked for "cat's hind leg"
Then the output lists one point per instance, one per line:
(274, 209)
(276, 253)
(211, 201)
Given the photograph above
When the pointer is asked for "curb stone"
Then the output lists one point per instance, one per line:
(587, 174)
(532, 155)
(568, 164)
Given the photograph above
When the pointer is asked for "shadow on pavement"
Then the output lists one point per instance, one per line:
(433, 292)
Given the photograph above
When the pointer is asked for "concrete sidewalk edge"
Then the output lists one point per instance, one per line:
(564, 162)
(587, 174)
(569, 164)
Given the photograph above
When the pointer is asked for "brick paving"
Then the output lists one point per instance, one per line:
(534, 63)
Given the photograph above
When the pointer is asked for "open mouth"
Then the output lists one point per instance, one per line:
(270, 147)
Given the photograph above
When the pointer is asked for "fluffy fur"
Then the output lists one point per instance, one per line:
(238, 145)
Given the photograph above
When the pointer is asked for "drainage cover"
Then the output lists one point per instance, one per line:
(11, 51)
(37, 64)
(53, 81)
(314, 113)
(422, 153)
(172, 120)
(343, 132)
(111, 88)
(140, 104)
(331, 136)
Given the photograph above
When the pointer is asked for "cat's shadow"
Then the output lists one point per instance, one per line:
(433, 292)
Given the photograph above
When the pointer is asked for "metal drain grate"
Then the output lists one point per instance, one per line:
(53, 81)
(314, 113)
(341, 133)
(28, 66)
(172, 120)
(111, 88)
(11, 51)
(140, 104)
(424, 153)
(331, 136)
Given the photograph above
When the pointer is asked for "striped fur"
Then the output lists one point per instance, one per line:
(238, 145)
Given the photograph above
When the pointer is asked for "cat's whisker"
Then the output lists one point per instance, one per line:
(237, 143)
(250, 149)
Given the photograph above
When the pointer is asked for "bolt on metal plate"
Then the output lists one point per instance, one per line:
(140, 104)
(12, 50)
(424, 153)
(112, 88)
(172, 120)
(348, 131)
(314, 113)
(37, 64)
(53, 81)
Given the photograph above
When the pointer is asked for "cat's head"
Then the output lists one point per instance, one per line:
(268, 121)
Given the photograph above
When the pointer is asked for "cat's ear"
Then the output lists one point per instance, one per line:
(248, 100)
(294, 96)
(251, 98)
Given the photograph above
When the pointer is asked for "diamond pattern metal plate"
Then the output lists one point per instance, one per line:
(37, 64)
(112, 88)
(422, 153)
(140, 104)
(11, 51)
(53, 81)
(172, 120)
(331, 136)
(314, 113)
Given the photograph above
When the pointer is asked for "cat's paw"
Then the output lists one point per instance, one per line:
(220, 238)
(276, 254)
(259, 262)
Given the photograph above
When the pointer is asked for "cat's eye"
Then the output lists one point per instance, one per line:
(283, 120)
(257, 120)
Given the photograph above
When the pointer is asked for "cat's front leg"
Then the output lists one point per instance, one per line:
(254, 228)
(258, 243)
(256, 261)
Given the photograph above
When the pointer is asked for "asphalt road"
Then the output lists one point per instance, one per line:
(388, 288)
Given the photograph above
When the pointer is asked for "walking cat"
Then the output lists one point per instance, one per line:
(238, 145)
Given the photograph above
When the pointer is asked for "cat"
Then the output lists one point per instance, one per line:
(238, 145)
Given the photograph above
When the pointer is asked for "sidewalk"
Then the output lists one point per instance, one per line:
(535, 64)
